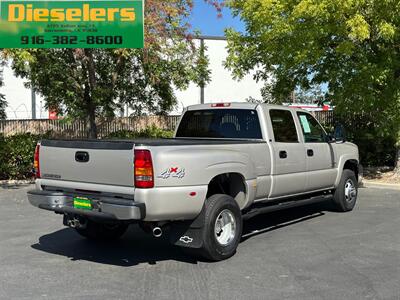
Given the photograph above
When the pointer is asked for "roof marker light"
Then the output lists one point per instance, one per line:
(221, 105)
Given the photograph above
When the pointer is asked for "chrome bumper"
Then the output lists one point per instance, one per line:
(104, 207)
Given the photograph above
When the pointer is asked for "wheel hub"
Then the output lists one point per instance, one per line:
(350, 191)
(225, 227)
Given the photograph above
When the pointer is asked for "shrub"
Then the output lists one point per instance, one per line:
(16, 156)
(377, 146)
(150, 132)
(375, 151)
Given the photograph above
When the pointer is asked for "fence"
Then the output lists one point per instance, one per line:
(61, 128)
(326, 118)
(77, 129)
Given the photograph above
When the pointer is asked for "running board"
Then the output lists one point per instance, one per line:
(258, 209)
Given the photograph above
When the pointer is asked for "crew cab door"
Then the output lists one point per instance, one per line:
(321, 171)
(289, 159)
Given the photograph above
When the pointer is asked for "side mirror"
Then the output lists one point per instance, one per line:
(339, 134)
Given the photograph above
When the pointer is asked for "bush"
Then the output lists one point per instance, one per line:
(375, 151)
(377, 146)
(150, 132)
(16, 156)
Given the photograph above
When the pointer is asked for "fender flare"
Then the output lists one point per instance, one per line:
(342, 161)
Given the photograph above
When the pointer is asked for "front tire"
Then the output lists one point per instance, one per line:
(222, 230)
(102, 231)
(345, 196)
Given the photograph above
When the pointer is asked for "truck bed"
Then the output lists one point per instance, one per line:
(128, 144)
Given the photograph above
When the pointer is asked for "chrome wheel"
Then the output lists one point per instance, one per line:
(225, 227)
(350, 191)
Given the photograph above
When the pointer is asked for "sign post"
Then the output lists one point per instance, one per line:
(71, 24)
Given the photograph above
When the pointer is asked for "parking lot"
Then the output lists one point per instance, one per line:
(303, 253)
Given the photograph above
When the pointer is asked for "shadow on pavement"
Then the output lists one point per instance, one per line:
(13, 186)
(136, 247)
(272, 221)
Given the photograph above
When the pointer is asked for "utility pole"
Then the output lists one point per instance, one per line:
(33, 99)
(293, 97)
(202, 47)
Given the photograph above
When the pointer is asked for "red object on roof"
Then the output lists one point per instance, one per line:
(53, 115)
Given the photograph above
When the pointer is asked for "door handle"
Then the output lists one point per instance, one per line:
(310, 152)
(283, 154)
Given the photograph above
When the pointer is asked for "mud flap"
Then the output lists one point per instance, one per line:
(188, 234)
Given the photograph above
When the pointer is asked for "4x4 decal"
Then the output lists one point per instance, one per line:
(174, 172)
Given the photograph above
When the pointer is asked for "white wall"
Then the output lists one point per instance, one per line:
(222, 88)
(19, 98)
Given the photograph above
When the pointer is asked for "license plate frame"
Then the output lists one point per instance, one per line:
(82, 203)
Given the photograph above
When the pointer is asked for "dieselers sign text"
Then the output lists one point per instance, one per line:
(71, 24)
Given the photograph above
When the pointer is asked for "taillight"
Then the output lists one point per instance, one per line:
(36, 164)
(144, 177)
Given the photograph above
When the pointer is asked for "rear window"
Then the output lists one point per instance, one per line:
(220, 123)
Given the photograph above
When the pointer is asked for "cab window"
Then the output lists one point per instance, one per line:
(220, 123)
(313, 132)
(283, 126)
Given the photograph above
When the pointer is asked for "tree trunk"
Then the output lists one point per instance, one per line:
(89, 91)
(91, 126)
(397, 161)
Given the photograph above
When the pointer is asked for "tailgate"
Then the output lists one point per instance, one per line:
(101, 162)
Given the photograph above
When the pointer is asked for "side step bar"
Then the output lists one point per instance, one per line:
(262, 209)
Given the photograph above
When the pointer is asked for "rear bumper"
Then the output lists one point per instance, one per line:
(104, 207)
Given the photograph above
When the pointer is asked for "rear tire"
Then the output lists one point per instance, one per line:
(345, 196)
(102, 231)
(222, 230)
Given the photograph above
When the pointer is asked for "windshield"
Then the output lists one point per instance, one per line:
(220, 123)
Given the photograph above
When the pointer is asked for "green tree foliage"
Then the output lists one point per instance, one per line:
(95, 83)
(353, 45)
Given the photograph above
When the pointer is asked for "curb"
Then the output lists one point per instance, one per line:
(378, 185)
(15, 182)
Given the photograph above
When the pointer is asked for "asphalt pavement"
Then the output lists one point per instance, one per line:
(303, 253)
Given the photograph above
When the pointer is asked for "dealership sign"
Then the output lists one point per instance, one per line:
(71, 24)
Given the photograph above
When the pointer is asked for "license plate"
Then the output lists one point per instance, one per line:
(82, 203)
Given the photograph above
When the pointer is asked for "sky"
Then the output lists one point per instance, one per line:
(205, 19)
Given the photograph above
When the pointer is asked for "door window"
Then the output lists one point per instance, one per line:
(283, 126)
(313, 132)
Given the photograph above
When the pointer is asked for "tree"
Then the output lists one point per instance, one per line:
(3, 103)
(352, 45)
(95, 83)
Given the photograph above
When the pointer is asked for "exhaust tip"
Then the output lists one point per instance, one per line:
(157, 232)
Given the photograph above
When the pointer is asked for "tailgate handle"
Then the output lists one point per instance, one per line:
(82, 156)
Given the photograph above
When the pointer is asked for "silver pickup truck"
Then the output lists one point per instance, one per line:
(227, 163)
